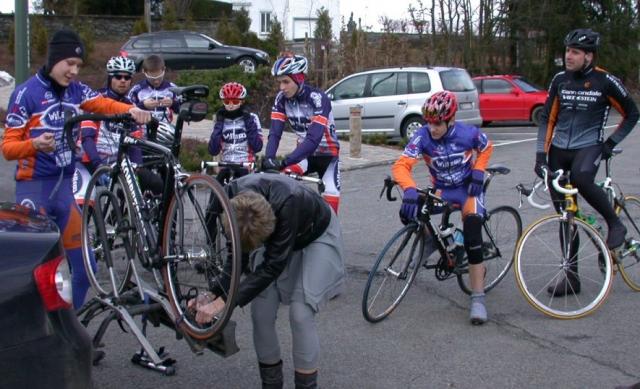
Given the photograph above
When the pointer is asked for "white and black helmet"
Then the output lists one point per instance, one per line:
(121, 65)
(165, 134)
(289, 64)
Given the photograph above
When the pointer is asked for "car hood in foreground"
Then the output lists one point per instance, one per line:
(18, 218)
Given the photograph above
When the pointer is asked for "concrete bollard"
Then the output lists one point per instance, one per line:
(355, 134)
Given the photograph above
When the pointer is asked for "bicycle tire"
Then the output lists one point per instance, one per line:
(629, 262)
(102, 238)
(185, 277)
(595, 278)
(410, 236)
(501, 231)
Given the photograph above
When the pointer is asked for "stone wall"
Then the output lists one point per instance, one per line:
(113, 28)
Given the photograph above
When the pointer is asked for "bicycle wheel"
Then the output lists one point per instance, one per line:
(500, 232)
(196, 260)
(393, 272)
(105, 238)
(541, 260)
(629, 260)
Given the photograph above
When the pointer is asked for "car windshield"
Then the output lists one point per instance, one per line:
(525, 85)
(456, 80)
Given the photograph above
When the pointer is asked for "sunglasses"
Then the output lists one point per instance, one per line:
(154, 77)
(122, 77)
(231, 101)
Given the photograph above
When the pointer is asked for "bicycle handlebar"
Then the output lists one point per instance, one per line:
(205, 164)
(67, 130)
(299, 177)
(529, 194)
(558, 187)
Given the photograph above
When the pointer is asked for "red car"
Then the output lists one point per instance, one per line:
(509, 98)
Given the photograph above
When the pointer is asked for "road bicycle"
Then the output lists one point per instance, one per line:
(571, 244)
(168, 236)
(410, 248)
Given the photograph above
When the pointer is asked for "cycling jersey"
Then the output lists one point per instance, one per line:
(577, 109)
(144, 90)
(449, 158)
(38, 106)
(100, 140)
(237, 134)
(309, 114)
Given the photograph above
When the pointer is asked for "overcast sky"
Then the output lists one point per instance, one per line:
(368, 10)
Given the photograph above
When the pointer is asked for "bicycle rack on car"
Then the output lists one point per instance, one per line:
(154, 308)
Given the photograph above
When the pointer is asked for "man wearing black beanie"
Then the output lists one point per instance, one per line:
(33, 136)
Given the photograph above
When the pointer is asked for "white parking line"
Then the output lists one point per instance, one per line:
(513, 142)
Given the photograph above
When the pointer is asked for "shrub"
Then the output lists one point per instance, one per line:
(192, 152)
(39, 36)
(139, 27)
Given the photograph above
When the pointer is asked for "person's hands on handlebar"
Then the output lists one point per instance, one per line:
(46, 142)
(409, 208)
(139, 115)
(541, 164)
(272, 164)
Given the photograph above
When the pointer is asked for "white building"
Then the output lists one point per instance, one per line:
(298, 17)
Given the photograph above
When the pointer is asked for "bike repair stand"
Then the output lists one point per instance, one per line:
(154, 307)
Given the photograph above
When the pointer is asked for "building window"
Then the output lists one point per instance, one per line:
(265, 22)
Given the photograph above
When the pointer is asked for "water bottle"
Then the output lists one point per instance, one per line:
(458, 237)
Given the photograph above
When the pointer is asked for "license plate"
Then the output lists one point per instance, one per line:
(466, 105)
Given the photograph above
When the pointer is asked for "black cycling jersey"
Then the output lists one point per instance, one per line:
(577, 109)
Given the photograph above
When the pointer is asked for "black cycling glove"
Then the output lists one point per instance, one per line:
(541, 164)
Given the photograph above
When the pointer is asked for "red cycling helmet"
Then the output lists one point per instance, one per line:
(233, 90)
(440, 107)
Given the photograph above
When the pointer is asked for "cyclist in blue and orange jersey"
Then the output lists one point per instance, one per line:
(33, 136)
(571, 134)
(237, 132)
(153, 93)
(100, 140)
(308, 111)
(447, 148)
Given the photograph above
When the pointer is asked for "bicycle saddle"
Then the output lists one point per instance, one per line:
(498, 169)
(191, 91)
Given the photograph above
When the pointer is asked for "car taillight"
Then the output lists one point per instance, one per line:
(123, 53)
(53, 279)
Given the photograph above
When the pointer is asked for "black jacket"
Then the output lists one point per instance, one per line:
(301, 217)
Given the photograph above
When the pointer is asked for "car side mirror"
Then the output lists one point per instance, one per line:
(212, 46)
(515, 92)
(330, 96)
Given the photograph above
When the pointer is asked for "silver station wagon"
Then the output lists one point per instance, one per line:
(392, 99)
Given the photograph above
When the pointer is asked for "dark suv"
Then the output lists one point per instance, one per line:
(191, 50)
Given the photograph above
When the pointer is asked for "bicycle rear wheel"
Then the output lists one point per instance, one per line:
(393, 272)
(196, 259)
(629, 260)
(542, 259)
(105, 237)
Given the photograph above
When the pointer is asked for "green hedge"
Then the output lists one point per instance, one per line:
(261, 87)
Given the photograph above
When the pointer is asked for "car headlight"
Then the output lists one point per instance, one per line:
(262, 54)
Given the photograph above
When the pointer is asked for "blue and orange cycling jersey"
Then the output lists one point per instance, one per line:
(36, 108)
(310, 116)
(449, 159)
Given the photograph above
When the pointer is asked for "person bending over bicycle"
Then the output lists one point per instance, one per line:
(100, 139)
(301, 265)
(571, 134)
(153, 93)
(33, 136)
(308, 111)
(447, 148)
(237, 132)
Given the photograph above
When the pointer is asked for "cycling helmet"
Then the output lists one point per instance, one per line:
(583, 38)
(121, 65)
(288, 65)
(165, 134)
(233, 90)
(440, 107)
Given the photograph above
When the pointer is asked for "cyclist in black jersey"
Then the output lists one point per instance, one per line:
(571, 133)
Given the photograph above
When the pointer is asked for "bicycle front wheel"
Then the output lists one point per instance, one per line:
(196, 259)
(105, 238)
(501, 230)
(551, 249)
(393, 272)
(629, 260)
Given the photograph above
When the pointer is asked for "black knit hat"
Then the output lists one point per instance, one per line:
(64, 44)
